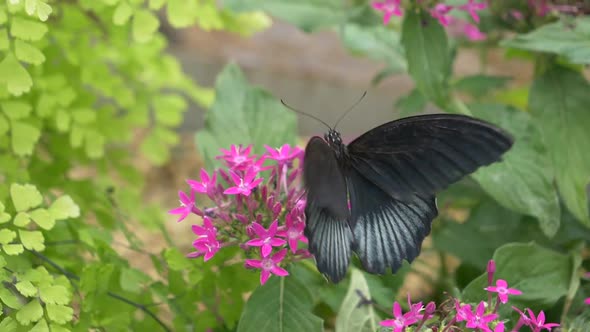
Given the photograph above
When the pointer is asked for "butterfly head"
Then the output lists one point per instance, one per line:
(333, 138)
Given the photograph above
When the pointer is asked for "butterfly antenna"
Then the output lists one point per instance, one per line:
(306, 114)
(350, 109)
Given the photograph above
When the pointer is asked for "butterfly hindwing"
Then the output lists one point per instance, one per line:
(326, 210)
(386, 231)
(421, 155)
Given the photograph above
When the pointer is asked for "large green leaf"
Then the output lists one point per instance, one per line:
(308, 15)
(427, 52)
(569, 39)
(377, 42)
(281, 305)
(559, 102)
(523, 180)
(244, 115)
(541, 274)
(355, 316)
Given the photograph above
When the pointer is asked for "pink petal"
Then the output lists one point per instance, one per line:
(492, 289)
(293, 245)
(501, 283)
(236, 178)
(587, 301)
(513, 291)
(387, 17)
(387, 323)
(266, 249)
(259, 230)
(209, 255)
(195, 254)
(397, 310)
(279, 271)
(279, 256)
(204, 175)
(264, 275)
(272, 229)
(503, 297)
(198, 230)
(178, 210)
(232, 191)
(254, 263)
(255, 243)
(275, 242)
(184, 198)
(207, 222)
(256, 183)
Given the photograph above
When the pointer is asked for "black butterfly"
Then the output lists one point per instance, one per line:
(389, 175)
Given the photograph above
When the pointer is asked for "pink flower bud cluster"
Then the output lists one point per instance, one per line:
(256, 203)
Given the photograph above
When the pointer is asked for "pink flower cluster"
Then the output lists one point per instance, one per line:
(263, 216)
(440, 12)
(483, 317)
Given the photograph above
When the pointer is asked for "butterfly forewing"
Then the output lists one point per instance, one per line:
(326, 210)
(421, 155)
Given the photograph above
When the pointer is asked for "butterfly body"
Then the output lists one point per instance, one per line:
(376, 196)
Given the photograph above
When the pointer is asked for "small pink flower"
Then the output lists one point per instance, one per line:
(440, 12)
(429, 310)
(503, 291)
(472, 7)
(187, 206)
(243, 185)
(463, 311)
(479, 319)
(207, 246)
(204, 232)
(587, 301)
(237, 158)
(266, 238)
(269, 265)
(472, 32)
(206, 185)
(283, 155)
(257, 166)
(389, 8)
(538, 323)
(293, 231)
(499, 327)
(516, 14)
(401, 321)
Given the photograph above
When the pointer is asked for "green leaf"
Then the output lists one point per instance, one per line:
(59, 313)
(25, 197)
(123, 13)
(31, 6)
(24, 138)
(14, 76)
(523, 181)
(84, 115)
(308, 15)
(378, 43)
(16, 109)
(4, 127)
(8, 325)
(62, 120)
(4, 217)
(427, 54)
(26, 288)
(480, 85)
(413, 103)
(168, 109)
(145, 24)
(32, 240)
(155, 149)
(6, 236)
(31, 312)
(55, 294)
(13, 249)
(28, 53)
(354, 315)
(568, 39)
(529, 268)
(26, 29)
(559, 104)
(9, 299)
(43, 218)
(94, 144)
(43, 11)
(282, 304)
(243, 115)
(132, 280)
(41, 326)
(182, 13)
(157, 4)
(176, 260)
(22, 219)
(64, 208)
(4, 42)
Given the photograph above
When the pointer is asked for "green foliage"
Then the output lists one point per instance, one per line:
(354, 315)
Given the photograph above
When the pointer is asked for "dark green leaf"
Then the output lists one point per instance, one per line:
(559, 104)
(427, 54)
(282, 304)
(244, 115)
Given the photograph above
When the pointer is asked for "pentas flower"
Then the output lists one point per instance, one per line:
(479, 319)
(187, 206)
(463, 311)
(472, 7)
(472, 32)
(237, 158)
(269, 265)
(536, 323)
(206, 185)
(440, 12)
(293, 230)
(243, 185)
(283, 155)
(266, 238)
(206, 246)
(389, 8)
(503, 291)
(205, 231)
(401, 320)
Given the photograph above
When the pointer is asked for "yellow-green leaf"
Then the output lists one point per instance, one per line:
(26, 29)
(28, 53)
(9, 299)
(43, 11)
(22, 219)
(30, 313)
(8, 325)
(59, 313)
(41, 326)
(24, 138)
(43, 218)
(16, 109)
(94, 144)
(6, 236)
(25, 196)
(145, 24)
(122, 13)
(32, 240)
(26, 288)
(4, 43)
(64, 208)
(55, 294)
(13, 249)
(14, 76)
